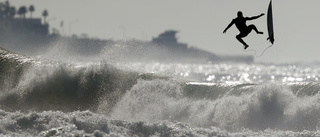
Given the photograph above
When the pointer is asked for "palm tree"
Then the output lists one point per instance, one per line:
(22, 11)
(45, 14)
(31, 9)
(2, 12)
(7, 9)
(12, 12)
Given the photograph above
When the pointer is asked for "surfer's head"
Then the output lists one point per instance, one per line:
(240, 14)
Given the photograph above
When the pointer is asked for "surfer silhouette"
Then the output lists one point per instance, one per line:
(240, 23)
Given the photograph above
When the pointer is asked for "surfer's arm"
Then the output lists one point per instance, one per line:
(255, 17)
(231, 23)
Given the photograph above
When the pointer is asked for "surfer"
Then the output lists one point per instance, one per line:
(240, 22)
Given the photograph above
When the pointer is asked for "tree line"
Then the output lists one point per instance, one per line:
(9, 12)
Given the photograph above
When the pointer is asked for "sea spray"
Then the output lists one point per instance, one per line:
(66, 87)
(150, 100)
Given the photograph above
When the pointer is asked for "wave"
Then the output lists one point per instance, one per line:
(40, 85)
(86, 123)
(36, 88)
(234, 108)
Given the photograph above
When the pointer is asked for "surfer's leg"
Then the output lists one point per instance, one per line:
(253, 27)
(239, 38)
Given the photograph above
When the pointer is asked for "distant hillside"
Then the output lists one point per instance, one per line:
(163, 48)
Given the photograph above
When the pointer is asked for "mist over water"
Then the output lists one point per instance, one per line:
(127, 89)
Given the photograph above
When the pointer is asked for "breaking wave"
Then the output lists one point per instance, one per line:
(44, 98)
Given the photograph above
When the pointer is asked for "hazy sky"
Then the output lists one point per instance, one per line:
(200, 23)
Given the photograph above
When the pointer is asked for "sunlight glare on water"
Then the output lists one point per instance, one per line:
(226, 72)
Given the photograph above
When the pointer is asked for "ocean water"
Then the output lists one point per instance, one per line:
(59, 96)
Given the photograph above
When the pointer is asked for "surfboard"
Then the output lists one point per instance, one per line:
(270, 23)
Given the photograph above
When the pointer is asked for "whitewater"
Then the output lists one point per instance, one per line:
(61, 94)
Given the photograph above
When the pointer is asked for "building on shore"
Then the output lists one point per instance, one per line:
(181, 51)
(23, 28)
